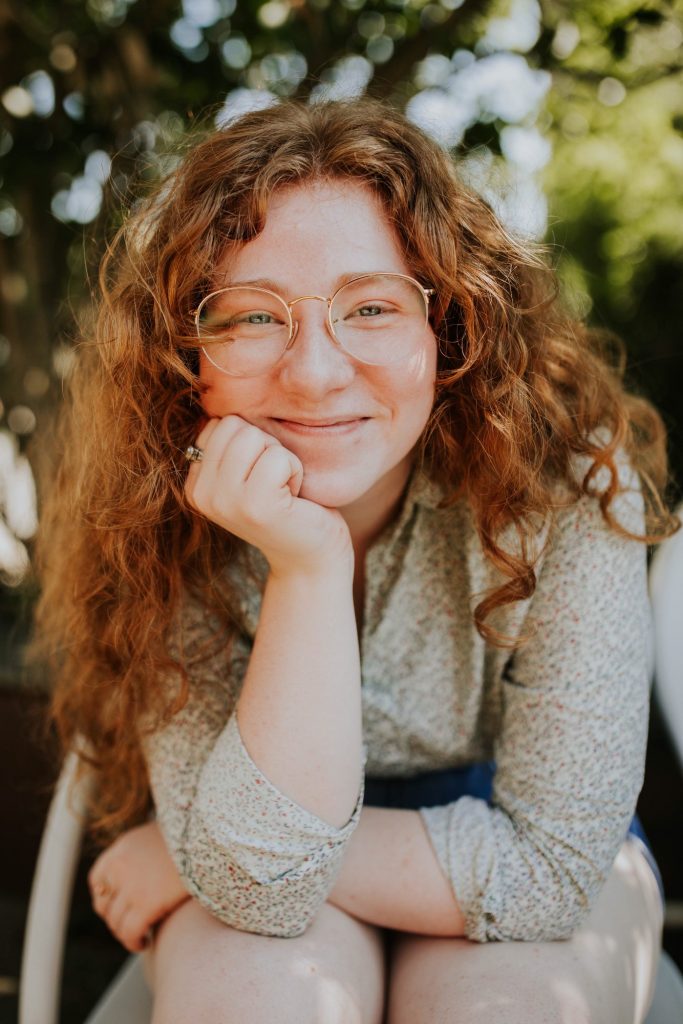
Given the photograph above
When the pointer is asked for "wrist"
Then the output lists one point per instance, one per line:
(332, 569)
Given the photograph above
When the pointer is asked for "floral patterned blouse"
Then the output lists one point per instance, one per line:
(564, 717)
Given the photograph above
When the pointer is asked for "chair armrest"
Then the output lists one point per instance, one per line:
(48, 912)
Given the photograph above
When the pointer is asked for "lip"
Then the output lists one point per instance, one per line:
(318, 428)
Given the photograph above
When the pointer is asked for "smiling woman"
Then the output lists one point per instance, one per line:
(344, 578)
(317, 237)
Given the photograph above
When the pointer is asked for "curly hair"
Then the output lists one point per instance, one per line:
(522, 389)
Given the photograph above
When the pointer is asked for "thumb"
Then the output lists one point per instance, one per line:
(297, 478)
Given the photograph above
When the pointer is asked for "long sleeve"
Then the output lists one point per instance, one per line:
(570, 751)
(248, 853)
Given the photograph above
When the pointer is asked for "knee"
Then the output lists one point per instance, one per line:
(239, 977)
(457, 982)
(269, 986)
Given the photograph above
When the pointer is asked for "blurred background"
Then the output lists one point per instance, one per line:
(567, 116)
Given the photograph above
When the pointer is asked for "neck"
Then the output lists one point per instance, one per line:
(368, 515)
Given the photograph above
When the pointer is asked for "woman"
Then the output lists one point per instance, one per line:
(379, 652)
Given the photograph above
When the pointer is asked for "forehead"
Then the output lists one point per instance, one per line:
(330, 230)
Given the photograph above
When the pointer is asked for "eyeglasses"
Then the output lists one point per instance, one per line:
(376, 318)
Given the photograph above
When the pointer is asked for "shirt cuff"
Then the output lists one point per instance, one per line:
(266, 833)
(470, 863)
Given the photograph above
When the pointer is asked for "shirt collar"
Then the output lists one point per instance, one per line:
(422, 490)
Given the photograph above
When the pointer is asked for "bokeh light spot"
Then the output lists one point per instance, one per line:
(347, 78)
(14, 287)
(11, 221)
(17, 101)
(611, 92)
(63, 360)
(236, 52)
(74, 105)
(63, 57)
(567, 37)
(202, 13)
(21, 420)
(380, 50)
(98, 166)
(240, 101)
(274, 13)
(42, 91)
(36, 382)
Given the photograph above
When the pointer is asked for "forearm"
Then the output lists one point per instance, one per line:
(299, 712)
(391, 876)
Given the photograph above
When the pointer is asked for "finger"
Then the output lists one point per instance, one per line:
(132, 930)
(101, 893)
(200, 441)
(218, 432)
(213, 441)
(224, 478)
(242, 452)
(275, 469)
(101, 908)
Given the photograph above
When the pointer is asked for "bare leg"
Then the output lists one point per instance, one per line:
(604, 974)
(203, 972)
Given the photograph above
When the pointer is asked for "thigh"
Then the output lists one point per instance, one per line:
(202, 970)
(604, 974)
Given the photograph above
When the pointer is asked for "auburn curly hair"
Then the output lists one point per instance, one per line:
(522, 390)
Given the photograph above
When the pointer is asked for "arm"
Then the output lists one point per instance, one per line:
(303, 678)
(571, 745)
(391, 876)
(257, 821)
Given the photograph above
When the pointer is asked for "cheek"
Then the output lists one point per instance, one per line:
(224, 394)
(413, 389)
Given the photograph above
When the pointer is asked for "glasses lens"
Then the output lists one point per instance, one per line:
(243, 331)
(379, 319)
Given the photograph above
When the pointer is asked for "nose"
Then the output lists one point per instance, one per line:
(315, 362)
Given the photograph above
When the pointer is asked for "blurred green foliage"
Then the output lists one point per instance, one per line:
(94, 95)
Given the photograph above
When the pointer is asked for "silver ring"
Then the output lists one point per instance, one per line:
(193, 454)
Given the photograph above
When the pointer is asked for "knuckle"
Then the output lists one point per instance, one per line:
(246, 436)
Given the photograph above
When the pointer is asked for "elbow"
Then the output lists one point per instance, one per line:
(258, 916)
(550, 917)
(280, 908)
(557, 927)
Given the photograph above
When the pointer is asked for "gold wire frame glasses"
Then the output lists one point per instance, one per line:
(376, 318)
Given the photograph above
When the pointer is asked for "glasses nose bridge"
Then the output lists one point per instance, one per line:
(322, 298)
(295, 322)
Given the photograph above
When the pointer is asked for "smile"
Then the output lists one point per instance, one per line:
(322, 429)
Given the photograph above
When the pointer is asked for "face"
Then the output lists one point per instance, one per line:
(314, 234)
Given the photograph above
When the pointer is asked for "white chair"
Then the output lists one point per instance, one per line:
(128, 1000)
(666, 597)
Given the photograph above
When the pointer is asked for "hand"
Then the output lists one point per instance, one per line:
(134, 884)
(248, 483)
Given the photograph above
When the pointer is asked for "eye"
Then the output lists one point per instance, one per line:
(258, 318)
(372, 307)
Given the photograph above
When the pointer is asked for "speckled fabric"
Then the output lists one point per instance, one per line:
(564, 717)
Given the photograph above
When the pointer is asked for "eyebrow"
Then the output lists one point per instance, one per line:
(265, 282)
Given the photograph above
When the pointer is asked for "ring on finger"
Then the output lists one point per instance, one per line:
(193, 454)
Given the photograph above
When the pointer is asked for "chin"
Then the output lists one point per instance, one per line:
(333, 490)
